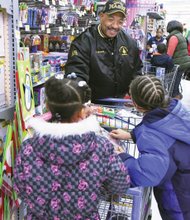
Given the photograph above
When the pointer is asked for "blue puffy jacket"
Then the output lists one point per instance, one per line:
(163, 139)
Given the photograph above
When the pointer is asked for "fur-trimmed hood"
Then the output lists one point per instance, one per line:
(70, 141)
(59, 130)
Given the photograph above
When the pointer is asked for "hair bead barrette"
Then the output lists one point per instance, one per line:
(58, 116)
(82, 83)
(59, 76)
(72, 76)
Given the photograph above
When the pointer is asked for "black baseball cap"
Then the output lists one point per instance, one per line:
(113, 6)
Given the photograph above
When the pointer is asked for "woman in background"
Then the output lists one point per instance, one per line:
(177, 49)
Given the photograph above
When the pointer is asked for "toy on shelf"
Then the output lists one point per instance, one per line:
(35, 42)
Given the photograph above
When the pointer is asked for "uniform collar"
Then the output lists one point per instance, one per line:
(100, 31)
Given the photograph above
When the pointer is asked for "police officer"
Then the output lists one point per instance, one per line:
(104, 56)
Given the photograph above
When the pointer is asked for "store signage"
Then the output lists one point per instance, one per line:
(27, 27)
(48, 31)
(60, 29)
(42, 27)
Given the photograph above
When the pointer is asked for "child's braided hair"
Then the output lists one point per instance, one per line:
(147, 92)
(65, 97)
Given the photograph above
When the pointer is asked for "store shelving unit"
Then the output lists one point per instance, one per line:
(9, 12)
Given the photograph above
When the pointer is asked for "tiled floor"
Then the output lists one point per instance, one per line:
(186, 101)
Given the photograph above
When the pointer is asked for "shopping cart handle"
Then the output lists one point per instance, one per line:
(119, 100)
(108, 128)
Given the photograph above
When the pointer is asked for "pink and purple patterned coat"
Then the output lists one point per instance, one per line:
(59, 172)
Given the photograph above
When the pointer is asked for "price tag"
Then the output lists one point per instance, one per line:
(43, 27)
(20, 24)
(61, 3)
(69, 26)
(48, 30)
(46, 2)
(60, 29)
(17, 34)
(27, 27)
(2, 61)
(77, 31)
(72, 31)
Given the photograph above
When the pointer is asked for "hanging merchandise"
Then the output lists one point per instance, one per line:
(25, 84)
(52, 14)
(44, 16)
(23, 8)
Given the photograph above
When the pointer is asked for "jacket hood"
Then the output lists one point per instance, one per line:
(174, 122)
(69, 142)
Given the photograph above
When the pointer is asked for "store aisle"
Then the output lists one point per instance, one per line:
(186, 101)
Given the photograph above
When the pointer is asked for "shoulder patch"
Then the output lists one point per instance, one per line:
(123, 51)
(74, 53)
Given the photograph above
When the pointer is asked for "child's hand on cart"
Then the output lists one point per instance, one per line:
(120, 134)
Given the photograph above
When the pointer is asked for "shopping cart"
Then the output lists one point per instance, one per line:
(136, 203)
(168, 78)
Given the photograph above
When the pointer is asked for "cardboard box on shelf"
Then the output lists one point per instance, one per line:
(39, 99)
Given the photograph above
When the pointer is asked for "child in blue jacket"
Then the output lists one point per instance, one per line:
(60, 171)
(163, 140)
(162, 59)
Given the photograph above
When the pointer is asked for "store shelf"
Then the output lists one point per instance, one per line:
(7, 5)
(43, 80)
(7, 113)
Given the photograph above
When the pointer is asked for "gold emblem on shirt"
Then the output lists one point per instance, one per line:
(74, 53)
(123, 51)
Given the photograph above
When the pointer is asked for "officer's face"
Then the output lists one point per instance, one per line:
(111, 24)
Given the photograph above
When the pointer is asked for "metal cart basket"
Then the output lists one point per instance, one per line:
(168, 78)
(136, 203)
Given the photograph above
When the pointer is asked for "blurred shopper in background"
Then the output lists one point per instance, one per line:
(177, 49)
(162, 59)
(153, 43)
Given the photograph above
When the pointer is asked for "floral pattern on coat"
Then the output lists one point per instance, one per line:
(61, 177)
